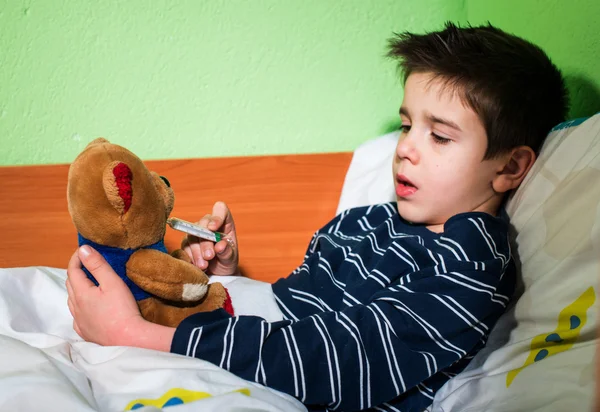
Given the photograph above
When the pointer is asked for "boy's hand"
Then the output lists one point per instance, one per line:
(219, 258)
(106, 314)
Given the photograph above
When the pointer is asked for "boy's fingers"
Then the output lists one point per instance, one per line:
(186, 247)
(225, 251)
(195, 252)
(97, 266)
(220, 215)
(76, 278)
(212, 222)
(226, 223)
(74, 262)
(204, 221)
(208, 250)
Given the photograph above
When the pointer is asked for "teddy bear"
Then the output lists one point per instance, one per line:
(120, 208)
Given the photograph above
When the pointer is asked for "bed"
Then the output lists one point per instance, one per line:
(263, 191)
(546, 339)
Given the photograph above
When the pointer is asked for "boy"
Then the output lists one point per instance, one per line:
(391, 300)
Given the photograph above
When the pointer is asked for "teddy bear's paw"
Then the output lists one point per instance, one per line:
(181, 255)
(193, 291)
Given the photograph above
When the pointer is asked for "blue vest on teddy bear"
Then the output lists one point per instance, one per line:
(117, 258)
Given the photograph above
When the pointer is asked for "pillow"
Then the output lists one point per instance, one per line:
(540, 354)
(369, 179)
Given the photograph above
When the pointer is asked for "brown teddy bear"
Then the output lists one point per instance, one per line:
(120, 208)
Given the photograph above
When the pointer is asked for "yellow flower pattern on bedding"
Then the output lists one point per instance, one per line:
(570, 322)
(175, 396)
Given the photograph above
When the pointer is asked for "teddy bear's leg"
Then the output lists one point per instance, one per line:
(172, 313)
(166, 277)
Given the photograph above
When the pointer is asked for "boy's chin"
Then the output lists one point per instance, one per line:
(409, 214)
(415, 215)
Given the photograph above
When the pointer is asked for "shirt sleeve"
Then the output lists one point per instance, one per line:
(313, 240)
(360, 356)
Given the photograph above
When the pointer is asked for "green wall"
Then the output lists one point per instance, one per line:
(172, 79)
(205, 78)
(569, 31)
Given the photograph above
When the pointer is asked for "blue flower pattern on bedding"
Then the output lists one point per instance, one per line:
(570, 322)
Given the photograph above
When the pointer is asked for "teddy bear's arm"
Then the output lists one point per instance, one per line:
(169, 314)
(180, 254)
(165, 276)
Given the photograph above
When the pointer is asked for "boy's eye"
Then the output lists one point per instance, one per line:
(440, 139)
(166, 181)
(405, 128)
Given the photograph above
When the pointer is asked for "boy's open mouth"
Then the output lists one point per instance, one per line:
(404, 187)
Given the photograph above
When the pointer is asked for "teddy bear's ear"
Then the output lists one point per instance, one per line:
(117, 182)
(98, 140)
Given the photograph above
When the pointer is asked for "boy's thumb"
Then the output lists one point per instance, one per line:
(96, 264)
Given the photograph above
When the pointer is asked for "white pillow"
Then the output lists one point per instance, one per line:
(556, 216)
(369, 179)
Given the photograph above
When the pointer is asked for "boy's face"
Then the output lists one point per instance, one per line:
(438, 166)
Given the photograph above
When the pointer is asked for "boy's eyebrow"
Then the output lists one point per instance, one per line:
(434, 119)
(447, 122)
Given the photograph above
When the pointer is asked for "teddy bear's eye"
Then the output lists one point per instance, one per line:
(166, 181)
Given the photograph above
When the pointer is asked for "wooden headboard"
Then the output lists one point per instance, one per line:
(277, 203)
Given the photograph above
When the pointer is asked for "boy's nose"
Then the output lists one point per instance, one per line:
(406, 149)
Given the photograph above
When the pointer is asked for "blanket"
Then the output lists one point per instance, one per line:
(46, 366)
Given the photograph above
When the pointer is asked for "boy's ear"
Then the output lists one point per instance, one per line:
(516, 165)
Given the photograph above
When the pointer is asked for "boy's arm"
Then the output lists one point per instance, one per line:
(351, 359)
(361, 356)
(108, 314)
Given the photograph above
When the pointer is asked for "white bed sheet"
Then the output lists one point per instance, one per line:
(45, 366)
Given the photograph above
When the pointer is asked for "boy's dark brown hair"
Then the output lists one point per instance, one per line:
(511, 84)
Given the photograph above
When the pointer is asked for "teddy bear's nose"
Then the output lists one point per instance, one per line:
(166, 181)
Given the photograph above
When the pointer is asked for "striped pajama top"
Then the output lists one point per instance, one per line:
(379, 316)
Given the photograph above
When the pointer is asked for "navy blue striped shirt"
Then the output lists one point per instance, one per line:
(380, 314)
